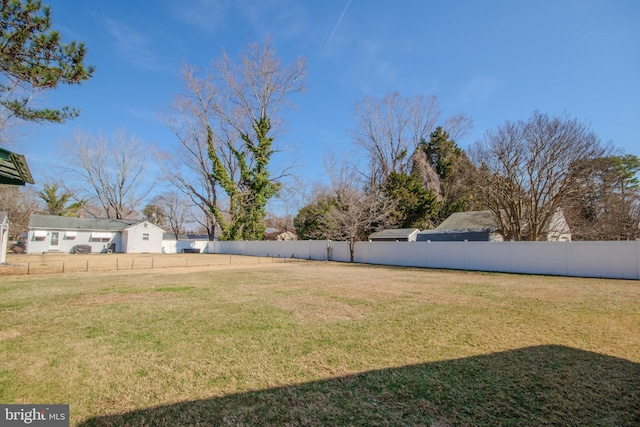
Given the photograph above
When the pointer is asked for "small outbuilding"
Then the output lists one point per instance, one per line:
(481, 226)
(50, 233)
(279, 235)
(393, 235)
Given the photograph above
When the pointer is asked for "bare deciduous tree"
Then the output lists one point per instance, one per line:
(188, 168)
(176, 211)
(352, 213)
(231, 116)
(19, 203)
(528, 171)
(110, 172)
(389, 130)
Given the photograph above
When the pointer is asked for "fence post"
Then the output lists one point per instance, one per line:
(638, 259)
(465, 254)
(568, 255)
(28, 268)
(87, 265)
(511, 256)
(63, 266)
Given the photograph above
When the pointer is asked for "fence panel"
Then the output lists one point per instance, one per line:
(587, 259)
(539, 257)
(488, 256)
(605, 259)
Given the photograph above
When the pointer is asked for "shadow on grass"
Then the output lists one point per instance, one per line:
(535, 386)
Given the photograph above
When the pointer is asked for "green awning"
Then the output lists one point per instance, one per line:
(14, 169)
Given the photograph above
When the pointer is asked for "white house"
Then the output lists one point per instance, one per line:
(50, 233)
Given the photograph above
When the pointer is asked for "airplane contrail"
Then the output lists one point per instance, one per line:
(335, 28)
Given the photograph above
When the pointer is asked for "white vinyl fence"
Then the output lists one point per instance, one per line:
(177, 246)
(611, 259)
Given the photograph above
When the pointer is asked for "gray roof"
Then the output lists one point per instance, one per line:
(454, 236)
(475, 220)
(398, 233)
(73, 223)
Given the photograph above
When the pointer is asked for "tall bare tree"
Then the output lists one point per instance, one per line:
(176, 211)
(528, 170)
(108, 171)
(188, 168)
(234, 111)
(388, 131)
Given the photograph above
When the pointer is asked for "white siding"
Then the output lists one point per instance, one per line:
(134, 240)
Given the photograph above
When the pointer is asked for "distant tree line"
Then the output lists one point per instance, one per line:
(523, 172)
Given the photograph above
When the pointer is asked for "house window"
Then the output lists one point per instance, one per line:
(39, 235)
(70, 235)
(145, 236)
(100, 237)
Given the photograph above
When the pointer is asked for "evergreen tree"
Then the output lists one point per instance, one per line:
(33, 57)
(454, 170)
(310, 220)
(58, 204)
(416, 207)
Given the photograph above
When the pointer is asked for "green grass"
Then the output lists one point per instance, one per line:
(322, 344)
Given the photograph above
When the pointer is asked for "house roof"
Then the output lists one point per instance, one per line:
(474, 220)
(3, 217)
(14, 169)
(398, 233)
(73, 223)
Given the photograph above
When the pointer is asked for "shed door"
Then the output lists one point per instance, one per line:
(54, 243)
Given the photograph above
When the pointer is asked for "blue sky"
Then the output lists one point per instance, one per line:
(492, 60)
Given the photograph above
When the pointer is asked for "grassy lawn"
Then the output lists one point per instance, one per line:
(314, 344)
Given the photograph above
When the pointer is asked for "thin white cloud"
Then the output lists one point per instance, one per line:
(477, 90)
(281, 19)
(131, 45)
(147, 115)
(371, 66)
(206, 15)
